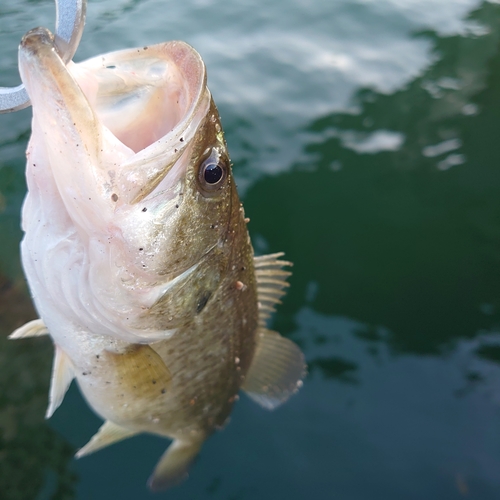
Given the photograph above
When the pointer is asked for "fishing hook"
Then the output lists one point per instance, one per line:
(70, 21)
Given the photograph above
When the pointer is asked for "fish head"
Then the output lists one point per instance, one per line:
(128, 162)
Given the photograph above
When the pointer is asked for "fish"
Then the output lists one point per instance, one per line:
(137, 253)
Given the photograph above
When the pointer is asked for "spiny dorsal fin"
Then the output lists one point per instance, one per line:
(174, 464)
(62, 375)
(34, 328)
(271, 283)
(107, 434)
(276, 371)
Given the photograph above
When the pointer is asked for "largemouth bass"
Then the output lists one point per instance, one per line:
(137, 253)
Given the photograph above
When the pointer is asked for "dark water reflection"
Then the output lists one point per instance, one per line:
(390, 211)
(404, 238)
(30, 451)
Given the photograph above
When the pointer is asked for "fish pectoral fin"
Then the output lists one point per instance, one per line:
(107, 434)
(62, 375)
(35, 328)
(173, 466)
(276, 371)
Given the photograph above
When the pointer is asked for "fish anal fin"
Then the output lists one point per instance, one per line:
(276, 371)
(35, 328)
(62, 375)
(173, 466)
(107, 434)
(271, 283)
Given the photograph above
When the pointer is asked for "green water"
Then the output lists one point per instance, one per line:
(364, 137)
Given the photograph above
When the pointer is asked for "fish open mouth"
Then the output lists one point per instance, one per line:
(141, 102)
(123, 118)
(143, 95)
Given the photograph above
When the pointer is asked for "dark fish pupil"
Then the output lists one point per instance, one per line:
(213, 173)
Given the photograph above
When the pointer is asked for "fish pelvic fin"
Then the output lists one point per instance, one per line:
(62, 375)
(276, 371)
(107, 434)
(173, 466)
(35, 328)
(142, 367)
(271, 283)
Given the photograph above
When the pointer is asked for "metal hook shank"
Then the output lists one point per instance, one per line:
(70, 21)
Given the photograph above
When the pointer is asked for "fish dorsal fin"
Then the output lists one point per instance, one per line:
(271, 283)
(276, 371)
(35, 328)
(62, 375)
(107, 434)
(174, 464)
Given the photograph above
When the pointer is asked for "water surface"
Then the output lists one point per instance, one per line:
(364, 137)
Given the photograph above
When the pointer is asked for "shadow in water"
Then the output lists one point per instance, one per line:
(334, 368)
(34, 459)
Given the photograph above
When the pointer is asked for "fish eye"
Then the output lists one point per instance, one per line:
(212, 173)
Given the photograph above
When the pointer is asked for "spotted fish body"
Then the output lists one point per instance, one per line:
(137, 253)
